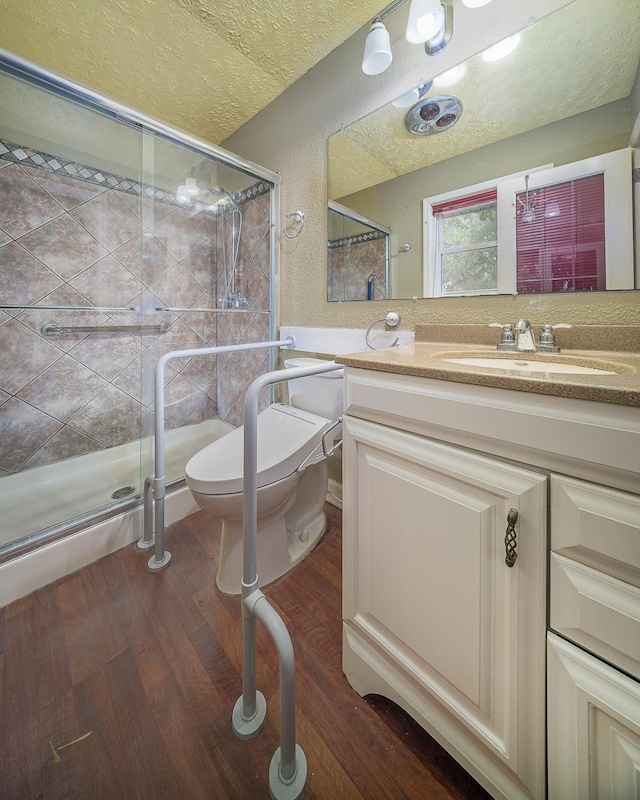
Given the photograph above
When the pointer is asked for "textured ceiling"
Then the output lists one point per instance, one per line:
(575, 60)
(204, 66)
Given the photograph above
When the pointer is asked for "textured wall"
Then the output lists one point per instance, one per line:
(203, 66)
(291, 135)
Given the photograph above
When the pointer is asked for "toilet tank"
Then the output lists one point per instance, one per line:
(318, 394)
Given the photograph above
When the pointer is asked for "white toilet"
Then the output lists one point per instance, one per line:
(292, 479)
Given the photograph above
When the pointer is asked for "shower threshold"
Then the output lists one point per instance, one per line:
(46, 503)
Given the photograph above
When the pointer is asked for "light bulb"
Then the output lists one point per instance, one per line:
(426, 18)
(475, 3)
(502, 49)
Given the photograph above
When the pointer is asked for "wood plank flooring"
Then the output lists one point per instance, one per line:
(149, 665)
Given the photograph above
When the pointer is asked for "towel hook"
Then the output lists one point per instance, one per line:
(298, 219)
(391, 319)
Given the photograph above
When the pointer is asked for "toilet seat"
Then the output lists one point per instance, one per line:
(286, 437)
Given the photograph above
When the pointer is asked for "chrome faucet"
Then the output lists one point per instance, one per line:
(520, 337)
(525, 340)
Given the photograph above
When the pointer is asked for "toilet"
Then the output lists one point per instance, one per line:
(292, 478)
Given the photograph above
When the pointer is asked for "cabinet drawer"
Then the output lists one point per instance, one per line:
(597, 611)
(597, 526)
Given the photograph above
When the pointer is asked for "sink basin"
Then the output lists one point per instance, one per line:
(528, 365)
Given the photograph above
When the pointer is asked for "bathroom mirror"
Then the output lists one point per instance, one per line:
(537, 120)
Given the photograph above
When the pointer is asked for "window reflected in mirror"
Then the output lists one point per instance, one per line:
(560, 101)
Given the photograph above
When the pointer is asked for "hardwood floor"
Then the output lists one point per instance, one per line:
(146, 667)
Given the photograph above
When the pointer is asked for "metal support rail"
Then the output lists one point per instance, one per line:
(68, 308)
(51, 329)
(214, 310)
(155, 487)
(288, 768)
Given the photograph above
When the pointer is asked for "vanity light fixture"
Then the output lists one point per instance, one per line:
(430, 22)
(377, 50)
(187, 190)
(426, 19)
(502, 49)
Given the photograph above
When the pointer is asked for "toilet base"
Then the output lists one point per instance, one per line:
(286, 535)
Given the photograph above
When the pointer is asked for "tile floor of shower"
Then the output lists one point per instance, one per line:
(58, 492)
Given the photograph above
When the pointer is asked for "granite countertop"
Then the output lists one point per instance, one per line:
(424, 359)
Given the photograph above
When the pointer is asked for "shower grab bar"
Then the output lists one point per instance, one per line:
(68, 308)
(288, 768)
(215, 310)
(51, 329)
(161, 557)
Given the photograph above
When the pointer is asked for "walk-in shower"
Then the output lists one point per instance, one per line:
(105, 266)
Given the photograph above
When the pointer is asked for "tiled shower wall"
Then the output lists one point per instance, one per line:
(73, 241)
(350, 263)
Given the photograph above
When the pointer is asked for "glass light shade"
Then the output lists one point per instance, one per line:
(426, 18)
(191, 187)
(475, 3)
(450, 77)
(377, 50)
(502, 49)
(182, 195)
(407, 99)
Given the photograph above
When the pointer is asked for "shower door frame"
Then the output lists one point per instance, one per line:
(21, 68)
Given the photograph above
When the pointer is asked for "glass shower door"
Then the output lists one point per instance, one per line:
(70, 287)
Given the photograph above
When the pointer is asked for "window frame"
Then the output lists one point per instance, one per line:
(616, 167)
(618, 195)
(431, 279)
(442, 251)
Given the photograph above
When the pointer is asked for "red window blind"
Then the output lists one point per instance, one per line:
(466, 202)
(562, 249)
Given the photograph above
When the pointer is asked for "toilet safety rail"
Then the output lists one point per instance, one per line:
(155, 487)
(288, 768)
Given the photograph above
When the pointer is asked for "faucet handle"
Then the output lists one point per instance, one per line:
(507, 340)
(547, 341)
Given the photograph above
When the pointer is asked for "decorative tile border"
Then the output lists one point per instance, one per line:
(359, 239)
(36, 159)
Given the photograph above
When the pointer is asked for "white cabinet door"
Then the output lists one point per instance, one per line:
(594, 727)
(434, 618)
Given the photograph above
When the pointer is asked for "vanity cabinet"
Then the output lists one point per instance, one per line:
(434, 619)
(431, 603)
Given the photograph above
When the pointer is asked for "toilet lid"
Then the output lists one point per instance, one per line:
(286, 436)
